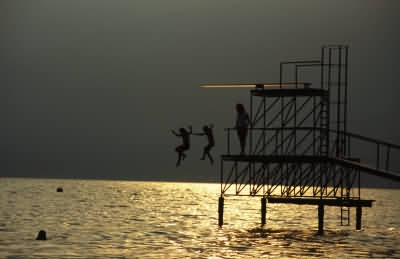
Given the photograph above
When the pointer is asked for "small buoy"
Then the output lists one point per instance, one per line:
(59, 189)
(41, 235)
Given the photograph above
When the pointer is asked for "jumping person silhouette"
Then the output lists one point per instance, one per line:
(207, 131)
(185, 135)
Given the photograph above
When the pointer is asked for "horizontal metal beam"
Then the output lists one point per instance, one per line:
(280, 159)
(276, 158)
(326, 202)
(280, 92)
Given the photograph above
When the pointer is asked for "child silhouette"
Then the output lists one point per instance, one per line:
(207, 131)
(185, 135)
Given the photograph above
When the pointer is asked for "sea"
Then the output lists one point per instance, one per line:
(131, 219)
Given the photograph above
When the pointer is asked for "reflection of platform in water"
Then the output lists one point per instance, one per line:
(299, 149)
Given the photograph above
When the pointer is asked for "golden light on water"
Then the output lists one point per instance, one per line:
(127, 219)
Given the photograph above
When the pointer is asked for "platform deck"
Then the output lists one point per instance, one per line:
(276, 158)
(297, 159)
(325, 202)
(289, 92)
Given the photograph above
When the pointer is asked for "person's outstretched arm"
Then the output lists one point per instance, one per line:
(198, 134)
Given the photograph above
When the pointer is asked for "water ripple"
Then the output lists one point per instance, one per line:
(112, 219)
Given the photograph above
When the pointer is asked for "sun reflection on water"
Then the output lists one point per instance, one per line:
(122, 219)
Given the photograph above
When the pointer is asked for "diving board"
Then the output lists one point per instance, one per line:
(258, 85)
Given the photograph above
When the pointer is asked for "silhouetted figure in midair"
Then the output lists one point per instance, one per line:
(185, 135)
(208, 132)
(242, 125)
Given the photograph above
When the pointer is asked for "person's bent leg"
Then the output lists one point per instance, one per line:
(210, 157)
(242, 133)
(244, 138)
(178, 162)
(207, 152)
(203, 156)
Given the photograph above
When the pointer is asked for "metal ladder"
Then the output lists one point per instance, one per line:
(324, 124)
(345, 216)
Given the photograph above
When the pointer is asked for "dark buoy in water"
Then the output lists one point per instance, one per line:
(41, 235)
(59, 189)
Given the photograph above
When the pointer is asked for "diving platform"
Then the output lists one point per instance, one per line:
(289, 92)
(308, 159)
(275, 158)
(299, 150)
(275, 89)
(323, 202)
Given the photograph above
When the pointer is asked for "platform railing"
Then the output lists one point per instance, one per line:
(382, 150)
(257, 145)
(374, 153)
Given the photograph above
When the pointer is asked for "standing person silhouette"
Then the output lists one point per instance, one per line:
(242, 124)
(207, 131)
(185, 135)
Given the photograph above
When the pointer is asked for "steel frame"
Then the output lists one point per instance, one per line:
(297, 123)
(306, 128)
(299, 148)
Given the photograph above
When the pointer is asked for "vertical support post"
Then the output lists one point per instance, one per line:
(295, 117)
(222, 176)
(251, 124)
(378, 151)
(229, 142)
(387, 158)
(339, 141)
(346, 60)
(322, 66)
(314, 126)
(359, 183)
(320, 219)
(358, 217)
(265, 124)
(263, 210)
(220, 211)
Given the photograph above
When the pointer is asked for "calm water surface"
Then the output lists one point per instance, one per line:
(123, 219)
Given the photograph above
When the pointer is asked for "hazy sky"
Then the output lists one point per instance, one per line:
(93, 88)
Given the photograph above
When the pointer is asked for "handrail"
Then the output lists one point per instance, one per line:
(354, 135)
(349, 137)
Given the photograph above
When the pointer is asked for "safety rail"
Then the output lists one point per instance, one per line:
(379, 146)
(275, 136)
(380, 159)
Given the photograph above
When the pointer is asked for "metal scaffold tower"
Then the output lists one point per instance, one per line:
(299, 148)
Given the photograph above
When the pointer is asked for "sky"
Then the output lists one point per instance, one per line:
(92, 89)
